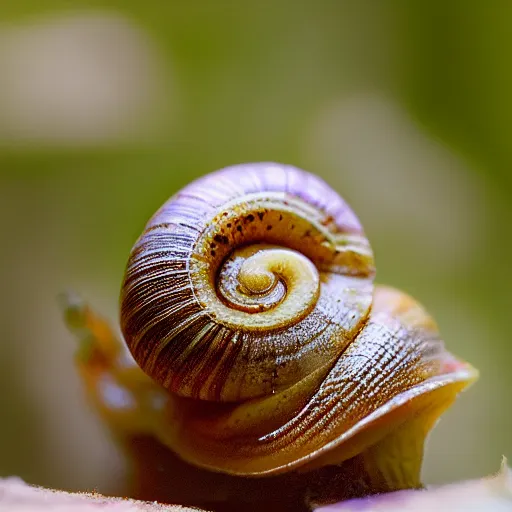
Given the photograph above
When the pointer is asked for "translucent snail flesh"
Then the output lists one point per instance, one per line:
(249, 301)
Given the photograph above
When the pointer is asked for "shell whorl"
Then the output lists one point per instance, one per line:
(245, 282)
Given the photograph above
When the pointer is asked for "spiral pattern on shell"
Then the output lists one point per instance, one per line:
(245, 282)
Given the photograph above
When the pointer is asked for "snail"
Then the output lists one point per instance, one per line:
(250, 306)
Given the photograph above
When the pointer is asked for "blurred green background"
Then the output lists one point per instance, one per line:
(108, 107)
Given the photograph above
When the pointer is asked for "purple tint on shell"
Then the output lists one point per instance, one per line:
(213, 190)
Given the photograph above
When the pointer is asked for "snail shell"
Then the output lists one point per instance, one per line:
(249, 297)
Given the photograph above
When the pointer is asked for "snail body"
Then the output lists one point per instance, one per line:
(249, 297)
(257, 345)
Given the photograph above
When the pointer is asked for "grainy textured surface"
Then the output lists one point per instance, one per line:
(492, 494)
(17, 496)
